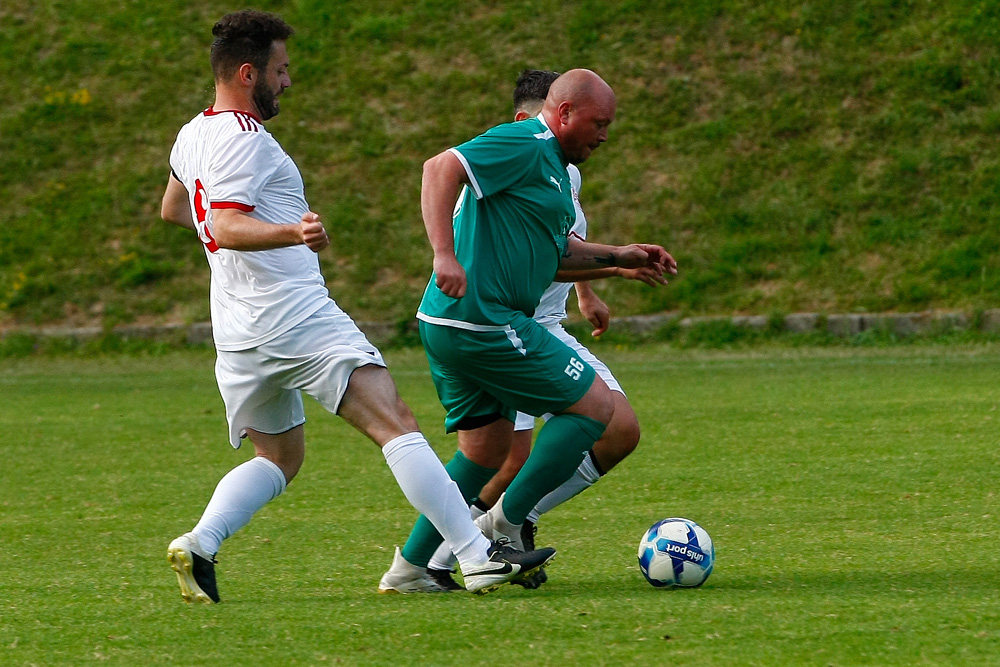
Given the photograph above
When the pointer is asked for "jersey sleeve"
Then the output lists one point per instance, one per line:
(240, 164)
(177, 165)
(499, 158)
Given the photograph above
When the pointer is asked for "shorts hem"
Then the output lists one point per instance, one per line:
(243, 433)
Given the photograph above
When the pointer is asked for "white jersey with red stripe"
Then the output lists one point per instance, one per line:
(551, 307)
(226, 159)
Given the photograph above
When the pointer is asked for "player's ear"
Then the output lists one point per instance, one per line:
(521, 115)
(246, 74)
(564, 109)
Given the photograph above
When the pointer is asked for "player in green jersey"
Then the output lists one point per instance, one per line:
(492, 262)
(622, 434)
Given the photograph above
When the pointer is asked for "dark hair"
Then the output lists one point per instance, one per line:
(245, 37)
(532, 87)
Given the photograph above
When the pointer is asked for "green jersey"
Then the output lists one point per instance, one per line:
(511, 226)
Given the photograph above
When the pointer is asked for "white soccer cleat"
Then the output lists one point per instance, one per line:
(495, 526)
(404, 577)
(505, 565)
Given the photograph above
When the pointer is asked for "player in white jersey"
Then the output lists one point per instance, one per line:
(278, 332)
(622, 434)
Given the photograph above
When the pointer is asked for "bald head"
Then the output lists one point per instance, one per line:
(579, 108)
(580, 86)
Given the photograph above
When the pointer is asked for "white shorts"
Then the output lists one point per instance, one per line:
(262, 386)
(526, 422)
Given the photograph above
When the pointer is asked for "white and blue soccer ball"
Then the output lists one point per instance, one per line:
(676, 553)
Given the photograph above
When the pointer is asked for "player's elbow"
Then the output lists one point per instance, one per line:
(444, 168)
(170, 212)
(432, 166)
(224, 234)
(167, 212)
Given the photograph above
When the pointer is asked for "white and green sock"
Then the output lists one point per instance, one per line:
(582, 479)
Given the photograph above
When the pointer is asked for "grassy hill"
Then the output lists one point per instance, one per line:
(828, 155)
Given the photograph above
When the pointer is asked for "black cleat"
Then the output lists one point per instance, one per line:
(195, 573)
(528, 531)
(443, 579)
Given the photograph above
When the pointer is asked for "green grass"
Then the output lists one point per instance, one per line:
(850, 493)
(794, 156)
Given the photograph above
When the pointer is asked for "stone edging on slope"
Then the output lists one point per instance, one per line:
(901, 324)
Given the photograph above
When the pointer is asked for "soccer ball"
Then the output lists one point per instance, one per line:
(676, 553)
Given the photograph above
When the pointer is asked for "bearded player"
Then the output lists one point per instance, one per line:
(276, 329)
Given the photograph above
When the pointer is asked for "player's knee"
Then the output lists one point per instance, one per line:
(402, 416)
(289, 462)
(387, 421)
(623, 432)
(624, 436)
(291, 469)
(604, 408)
(286, 450)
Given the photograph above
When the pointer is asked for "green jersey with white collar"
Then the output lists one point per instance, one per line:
(511, 226)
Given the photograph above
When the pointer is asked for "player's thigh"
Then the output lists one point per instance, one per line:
(373, 406)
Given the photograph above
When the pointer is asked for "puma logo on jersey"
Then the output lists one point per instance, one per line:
(556, 182)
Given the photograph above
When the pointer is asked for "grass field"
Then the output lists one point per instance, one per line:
(850, 494)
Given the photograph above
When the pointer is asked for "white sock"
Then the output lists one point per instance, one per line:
(443, 558)
(581, 480)
(244, 490)
(425, 483)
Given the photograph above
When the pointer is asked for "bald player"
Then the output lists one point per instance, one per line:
(489, 359)
(622, 434)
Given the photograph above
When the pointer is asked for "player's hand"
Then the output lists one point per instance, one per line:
(597, 313)
(643, 274)
(449, 276)
(313, 233)
(638, 255)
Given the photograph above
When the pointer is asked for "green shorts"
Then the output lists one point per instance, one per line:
(520, 367)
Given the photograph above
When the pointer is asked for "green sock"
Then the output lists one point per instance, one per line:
(560, 446)
(424, 538)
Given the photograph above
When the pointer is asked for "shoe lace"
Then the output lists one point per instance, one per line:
(501, 545)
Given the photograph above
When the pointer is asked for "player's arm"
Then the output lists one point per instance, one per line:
(581, 255)
(643, 274)
(442, 180)
(235, 230)
(175, 207)
(577, 276)
(593, 308)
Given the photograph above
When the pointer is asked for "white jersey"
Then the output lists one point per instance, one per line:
(226, 159)
(551, 307)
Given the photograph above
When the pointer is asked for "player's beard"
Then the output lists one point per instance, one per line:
(265, 99)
